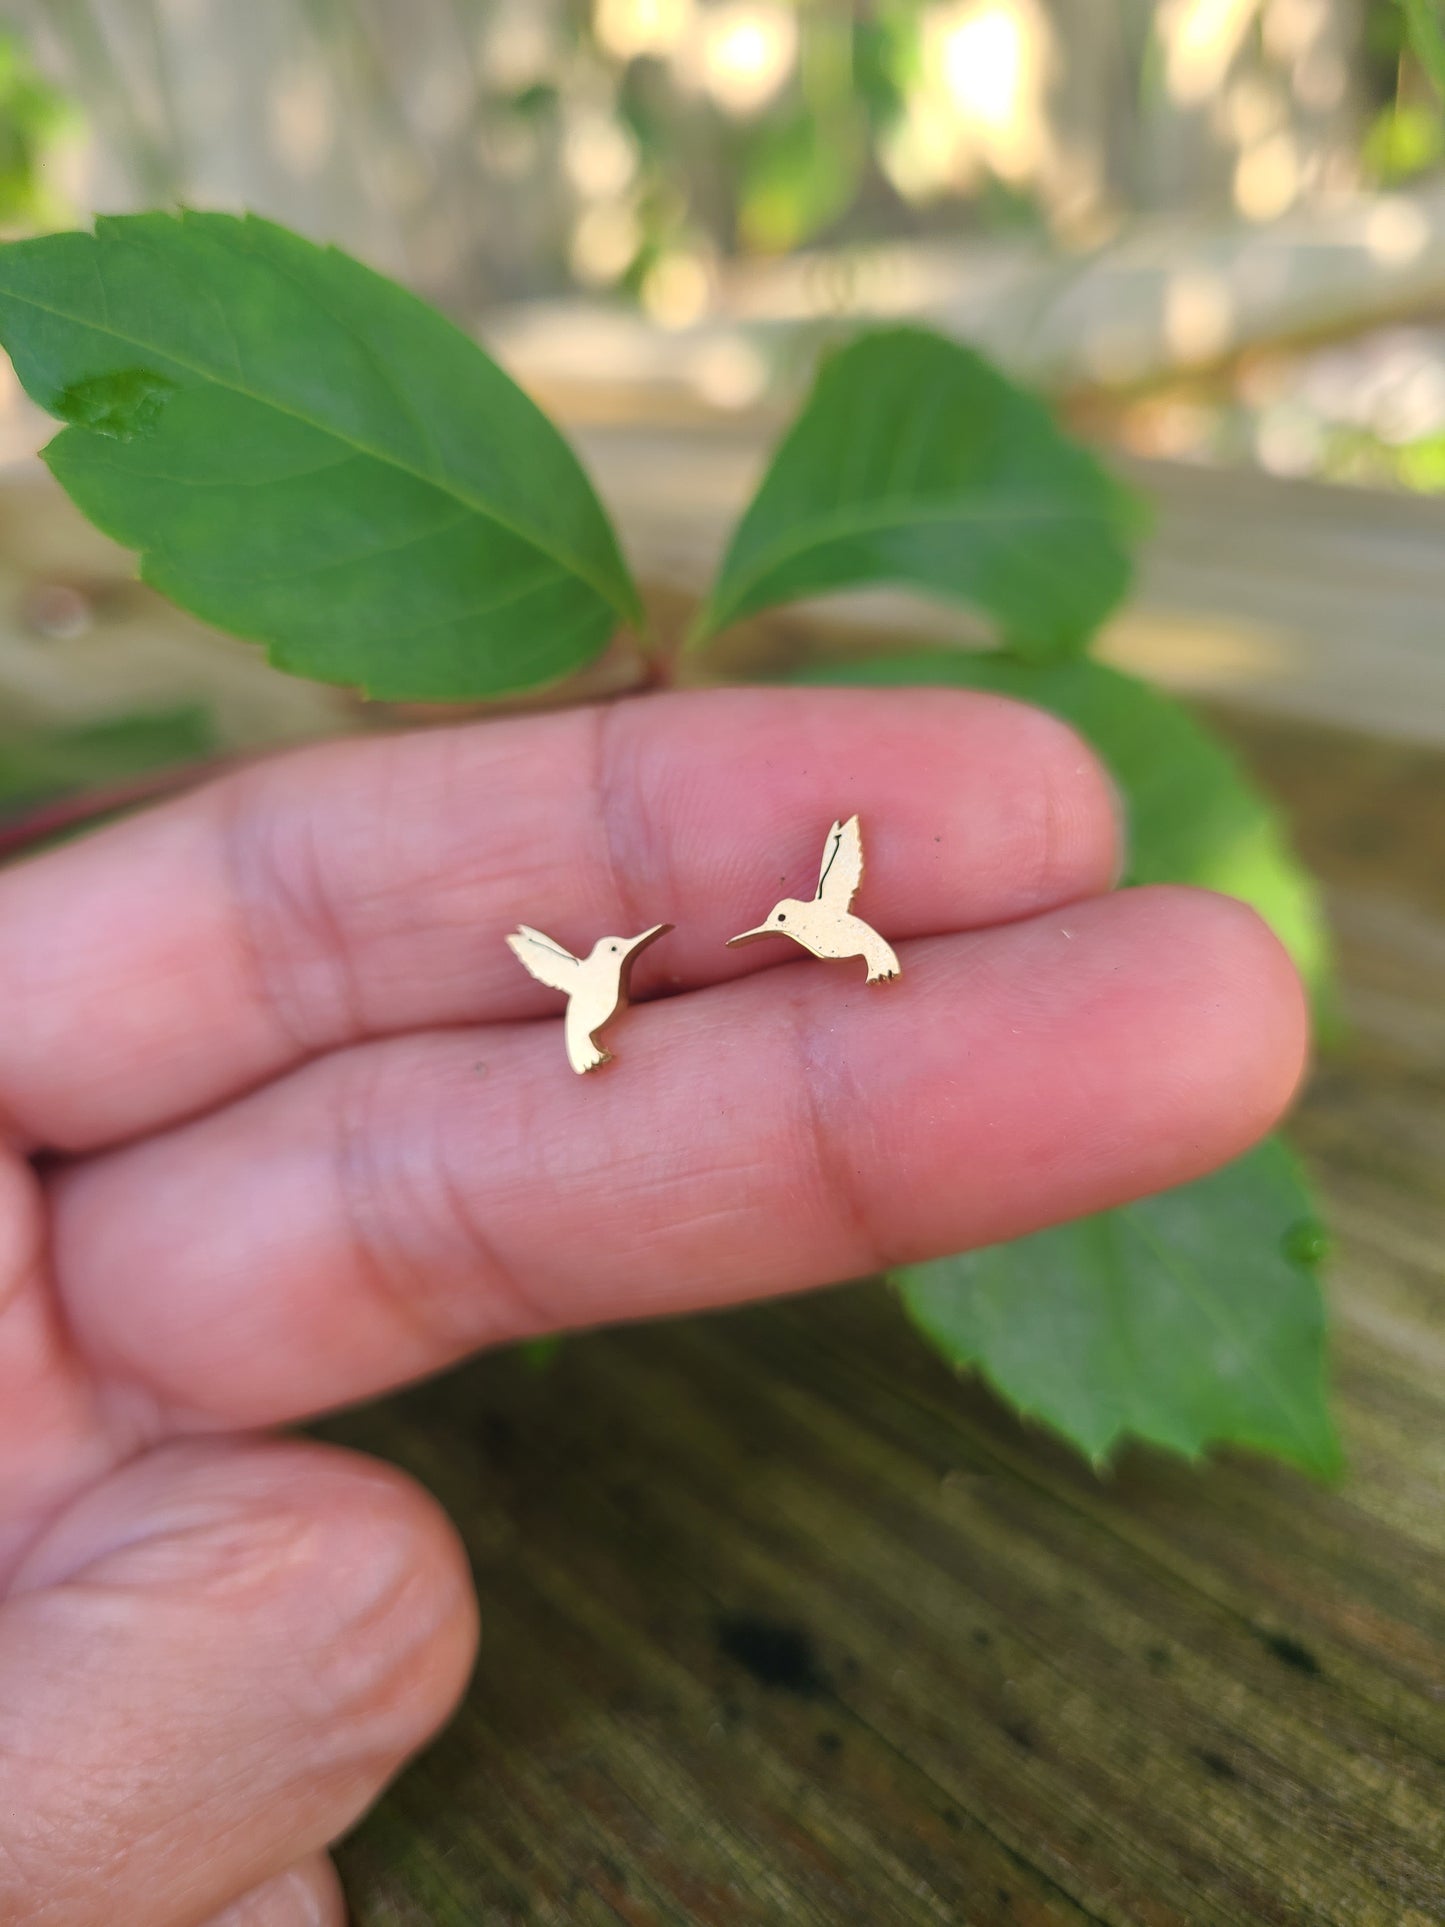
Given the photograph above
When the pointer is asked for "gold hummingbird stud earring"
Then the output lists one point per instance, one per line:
(825, 926)
(596, 985)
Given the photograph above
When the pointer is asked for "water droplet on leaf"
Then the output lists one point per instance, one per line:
(1307, 1242)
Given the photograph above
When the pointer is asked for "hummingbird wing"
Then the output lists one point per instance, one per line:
(548, 962)
(842, 865)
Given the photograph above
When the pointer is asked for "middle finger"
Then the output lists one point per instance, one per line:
(388, 1209)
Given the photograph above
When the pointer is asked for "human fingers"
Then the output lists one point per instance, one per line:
(55, 1436)
(306, 1895)
(209, 1666)
(363, 888)
(389, 1208)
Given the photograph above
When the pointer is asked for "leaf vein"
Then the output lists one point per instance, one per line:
(443, 485)
(318, 569)
(888, 516)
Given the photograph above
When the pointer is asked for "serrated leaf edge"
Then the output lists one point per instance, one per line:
(629, 608)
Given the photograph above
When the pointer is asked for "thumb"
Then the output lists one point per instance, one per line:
(209, 1668)
(307, 1895)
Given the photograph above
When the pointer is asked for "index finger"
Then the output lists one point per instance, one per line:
(361, 889)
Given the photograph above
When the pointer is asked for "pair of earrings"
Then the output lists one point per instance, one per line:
(596, 986)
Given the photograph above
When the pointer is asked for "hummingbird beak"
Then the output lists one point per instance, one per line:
(639, 944)
(634, 951)
(752, 936)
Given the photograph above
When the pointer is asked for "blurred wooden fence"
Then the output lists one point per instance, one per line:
(386, 125)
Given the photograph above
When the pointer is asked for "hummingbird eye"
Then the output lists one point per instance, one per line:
(781, 917)
(614, 946)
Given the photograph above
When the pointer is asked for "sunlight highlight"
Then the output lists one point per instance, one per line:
(1200, 39)
(605, 242)
(983, 54)
(978, 103)
(1198, 315)
(1267, 177)
(677, 290)
(748, 52)
(628, 29)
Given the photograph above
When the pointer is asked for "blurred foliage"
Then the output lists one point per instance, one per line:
(1404, 71)
(1404, 140)
(1425, 27)
(37, 767)
(638, 144)
(780, 123)
(802, 175)
(34, 117)
(1368, 412)
(757, 126)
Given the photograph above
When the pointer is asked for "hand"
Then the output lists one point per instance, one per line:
(287, 1125)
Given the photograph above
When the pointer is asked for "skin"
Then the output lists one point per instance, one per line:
(285, 1126)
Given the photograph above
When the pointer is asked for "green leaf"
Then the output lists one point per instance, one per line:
(1426, 28)
(35, 767)
(888, 61)
(1403, 141)
(1193, 814)
(120, 405)
(916, 463)
(1191, 1319)
(801, 175)
(538, 1353)
(309, 455)
(34, 117)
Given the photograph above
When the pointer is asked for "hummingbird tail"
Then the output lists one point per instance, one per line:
(883, 965)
